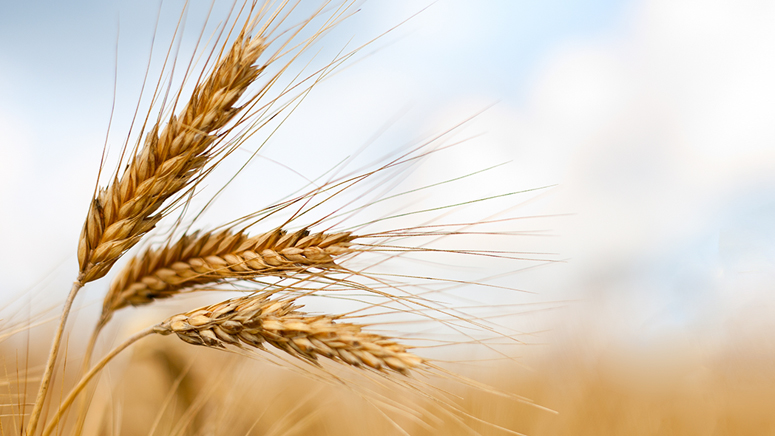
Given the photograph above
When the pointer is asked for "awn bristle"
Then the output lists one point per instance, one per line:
(256, 320)
(213, 257)
(167, 163)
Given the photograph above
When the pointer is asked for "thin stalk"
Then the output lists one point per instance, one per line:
(86, 378)
(52, 357)
(84, 403)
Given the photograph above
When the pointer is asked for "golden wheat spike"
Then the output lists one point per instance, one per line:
(255, 320)
(214, 257)
(170, 160)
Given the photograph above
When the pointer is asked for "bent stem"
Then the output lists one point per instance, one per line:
(52, 357)
(86, 378)
(84, 403)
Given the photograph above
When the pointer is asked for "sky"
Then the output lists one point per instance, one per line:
(651, 119)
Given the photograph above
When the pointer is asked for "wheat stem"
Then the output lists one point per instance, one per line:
(86, 378)
(84, 405)
(52, 357)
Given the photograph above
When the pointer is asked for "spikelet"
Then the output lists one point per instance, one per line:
(170, 160)
(214, 257)
(255, 320)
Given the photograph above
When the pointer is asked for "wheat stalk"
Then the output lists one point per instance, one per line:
(214, 257)
(255, 320)
(67, 401)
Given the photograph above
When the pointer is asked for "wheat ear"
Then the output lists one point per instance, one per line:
(168, 162)
(214, 257)
(255, 320)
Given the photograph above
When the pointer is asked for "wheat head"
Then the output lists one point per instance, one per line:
(209, 257)
(255, 320)
(171, 159)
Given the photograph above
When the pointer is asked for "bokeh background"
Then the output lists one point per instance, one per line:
(652, 120)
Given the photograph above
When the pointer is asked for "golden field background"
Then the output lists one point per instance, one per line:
(680, 391)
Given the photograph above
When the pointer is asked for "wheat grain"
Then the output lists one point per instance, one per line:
(256, 320)
(213, 257)
(169, 161)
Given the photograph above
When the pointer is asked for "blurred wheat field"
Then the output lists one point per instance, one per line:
(725, 394)
(652, 117)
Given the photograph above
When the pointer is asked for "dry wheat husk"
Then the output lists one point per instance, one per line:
(255, 320)
(171, 159)
(200, 258)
